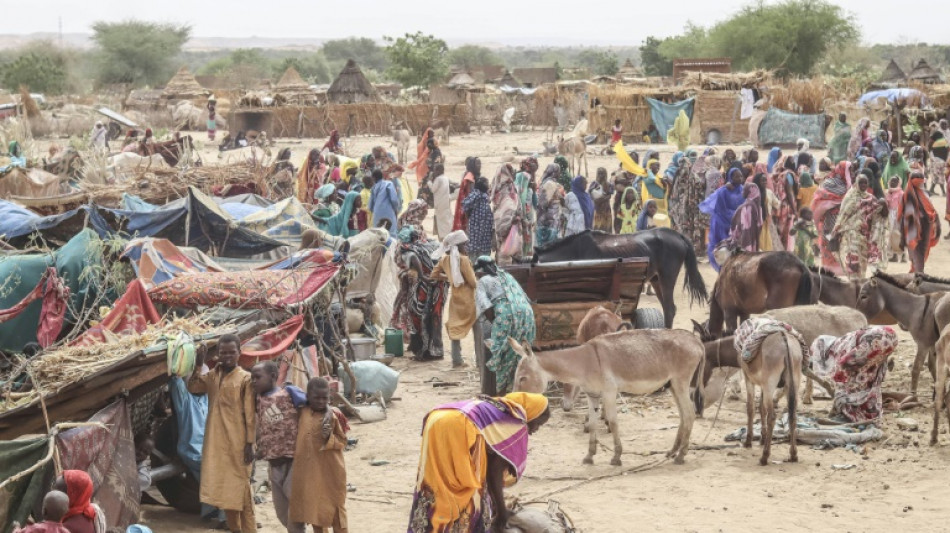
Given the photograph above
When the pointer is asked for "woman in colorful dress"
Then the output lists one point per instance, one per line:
(720, 207)
(921, 227)
(629, 211)
(688, 192)
(654, 188)
(310, 177)
(601, 192)
(747, 221)
(506, 211)
(580, 208)
(826, 205)
(417, 309)
(550, 205)
(473, 171)
(784, 185)
(344, 223)
(527, 196)
(414, 215)
(862, 229)
(564, 177)
(469, 448)
(502, 301)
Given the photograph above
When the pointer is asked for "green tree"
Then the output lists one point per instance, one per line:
(138, 52)
(794, 35)
(312, 67)
(470, 55)
(417, 59)
(41, 67)
(694, 42)
(654, 64)
(363, 50)
(607, 64)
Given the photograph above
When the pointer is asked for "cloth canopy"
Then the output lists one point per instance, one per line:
(158, 260)
(892, 95)
(18, 223)
(132, 313)
(784, 128)
(664, 114)
(270, 343)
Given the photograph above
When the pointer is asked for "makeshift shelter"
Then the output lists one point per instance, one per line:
(923, 73)
(535, 77)
(893, 73)
(292, 89)
(509, 80)
(720, 65)
(461, 80)
(781, 128)
(664, 114)
(184, 86)
(904, 97)
(19, 225)
(351, 86)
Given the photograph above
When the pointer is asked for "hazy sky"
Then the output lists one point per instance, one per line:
(485, 21)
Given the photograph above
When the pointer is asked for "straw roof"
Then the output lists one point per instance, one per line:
(508, 80)
(628, 70)
(717, 81)
(351, 86)
(184, 86)
(893, 73)
(462, 79)
(292, 89)
(923, 72)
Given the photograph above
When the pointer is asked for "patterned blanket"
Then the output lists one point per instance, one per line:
(753, 332)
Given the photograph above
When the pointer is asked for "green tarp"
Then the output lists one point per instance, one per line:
(17, 499)
(78, 262)
(664, 114)
(781, 128)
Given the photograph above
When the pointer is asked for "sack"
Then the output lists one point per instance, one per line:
(180, 354)
(513, 243)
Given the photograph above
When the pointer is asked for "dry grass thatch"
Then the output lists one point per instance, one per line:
(365, 118)
(716, 81)
(292, 89)
(351, 86)
(809, 96)
(184, 86)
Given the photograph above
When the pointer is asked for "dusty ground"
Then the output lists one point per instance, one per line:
(896, 484)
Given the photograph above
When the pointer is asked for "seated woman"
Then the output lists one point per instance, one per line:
(857, 363)
(344, 223)
(469, 448)
(327, 203)
(83, 516)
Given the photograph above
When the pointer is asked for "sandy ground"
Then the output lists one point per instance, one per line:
(896, 484)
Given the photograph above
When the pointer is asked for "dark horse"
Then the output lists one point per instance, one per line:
(171, 151)
(754, 283)
(667, 250)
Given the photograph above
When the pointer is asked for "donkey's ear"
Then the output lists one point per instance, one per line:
(527, 347)
(516, 347)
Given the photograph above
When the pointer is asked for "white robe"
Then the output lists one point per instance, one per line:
(442, 199)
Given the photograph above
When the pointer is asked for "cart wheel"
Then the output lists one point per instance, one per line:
(181, 492)
(649, 318)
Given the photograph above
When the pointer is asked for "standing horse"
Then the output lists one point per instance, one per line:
(668, 251)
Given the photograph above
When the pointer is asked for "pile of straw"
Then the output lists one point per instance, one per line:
(716, 81)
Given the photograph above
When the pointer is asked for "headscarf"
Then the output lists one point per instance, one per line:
(774, 154)
(415, 213)
(900, 169)
(670, 172)
(644, 213)
(805, 179)
(451, 244)
(583, 198)
(803, 142)
(529, 165)
(854, 145)
(565, 176)
(529, 404)
(325, 191)
(486, 264)
(421, 164)
(914, 194)
(339, 224)
(79, 490)
(746, 232)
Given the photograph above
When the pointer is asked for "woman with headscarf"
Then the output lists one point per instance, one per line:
(728, 158)
(806, 189)
(310, 176)
(528, 198)
(689, 189)
(838, 146)
(506, 211)
(775, 154)
(550, 205)
(881, 145)
(503, 303)
(344, 223)
(455, 268)
(671, 171)
(713, 177)
(679, 133)
(442, 200)
(326, 201)
(654, 188)
(645, 219)
(601, 191)
(784, 184)
(804, 158)
(580, 208)
(896, 166)
(564, 176)
(473, 170)
(859, 138)
(628, 211)
(333, 145)
(83, 516)
(417, 309)
(384, 202)
(921, 228)
(826, 205)
(857, 364)
(861, 229)
(747, 220)
(414, 215)
(768, 238)
(469, 448)
(721, 207)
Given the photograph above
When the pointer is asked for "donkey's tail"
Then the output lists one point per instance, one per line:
(803, 295)
(699, 397)
(693, 281)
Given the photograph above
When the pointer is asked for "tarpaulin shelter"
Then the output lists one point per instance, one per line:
(18, 224)
(784, 128)
(17, 498)
(158, 260)
(284, 220)
(270, 343)
(20, 273)
(132, 313)
(664, 114)
(901, 96)
(196, 220)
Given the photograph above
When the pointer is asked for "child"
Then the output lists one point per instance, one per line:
(629, 211)
(318, 492)
(805, 235)
(277, 434)
(645, 221)
(893, 196)
(806, 189)
(55, 505)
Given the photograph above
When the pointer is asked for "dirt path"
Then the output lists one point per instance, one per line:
(897, 484)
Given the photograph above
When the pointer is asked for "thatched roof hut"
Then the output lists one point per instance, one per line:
(627, 70)
(184, 86)
(508, 80)
(535, 76)
(461, 80)
(351, 86)
(893, 73)
(923, 73)
(292, 89)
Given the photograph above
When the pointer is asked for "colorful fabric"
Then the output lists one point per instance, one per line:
(918, 216)
(55, 295)
(417, 310)
(514, 317)
(472, 166)
(277, 422)
(528, 199)
(270, 343)
(18, 497)
(385, 204)
(101, 462)
(601, 191)
(481, 223)
(420, 165)
(748, 222)
(310, 176)
(825, 206)
(688, 192)
(858, 365)
(627, 162)
(859, 138)
(550, 199)
(774, 154)
(653, 188)
(805, 235)
(158, 260)
(863, 231)
(415, 215)
(900, 169)
(340, 224)
(753, 332)
(132, 313)
(629, 211)
(584, 200)
(679, 133)
(245, 289)
(506, 203)
(721, 206)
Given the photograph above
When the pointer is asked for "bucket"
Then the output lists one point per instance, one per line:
(363, 348)
(393, 341)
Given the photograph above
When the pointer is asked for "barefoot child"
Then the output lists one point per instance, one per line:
(318, 492)
(55, 505)
(277, 434)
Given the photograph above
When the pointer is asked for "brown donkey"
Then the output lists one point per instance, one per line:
(597, 321)
(940, 381)
(636, 362)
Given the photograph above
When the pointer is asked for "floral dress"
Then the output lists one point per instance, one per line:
(514, 318)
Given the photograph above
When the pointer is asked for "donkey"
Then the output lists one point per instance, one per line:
(574, 148)
(402, 138)
(637, 362)
(774, 356)
(940, 381)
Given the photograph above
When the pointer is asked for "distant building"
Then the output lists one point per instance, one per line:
(923, 73)
(893, 73)
(535, 77)
(351, 86)
(722, 65)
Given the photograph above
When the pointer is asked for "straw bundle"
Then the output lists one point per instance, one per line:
(716, 81)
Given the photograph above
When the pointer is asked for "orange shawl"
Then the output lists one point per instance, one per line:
(421, 164)
(918, 199)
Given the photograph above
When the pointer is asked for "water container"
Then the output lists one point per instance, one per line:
(393, 341)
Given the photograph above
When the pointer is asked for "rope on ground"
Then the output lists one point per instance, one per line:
(584, 481)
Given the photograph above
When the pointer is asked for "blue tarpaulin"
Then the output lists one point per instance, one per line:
(18, 223)
(664, 114)
(893, 95)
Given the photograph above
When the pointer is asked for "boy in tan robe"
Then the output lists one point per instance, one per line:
(318, 485)
(455, 267)
(230, 432)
